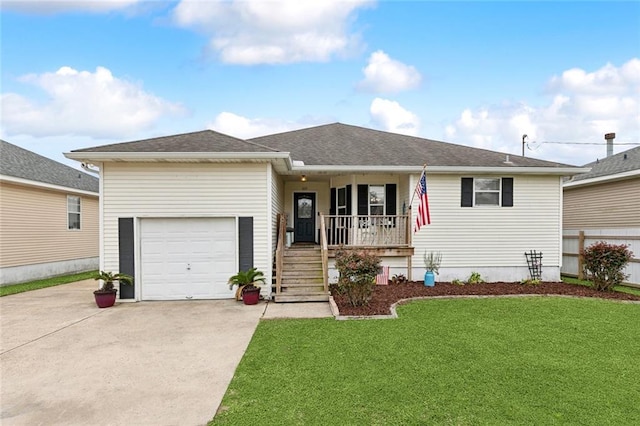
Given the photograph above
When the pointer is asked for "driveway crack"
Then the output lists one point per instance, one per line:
(49, 334)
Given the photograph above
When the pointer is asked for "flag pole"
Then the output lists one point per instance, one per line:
(424, 168)
(410, 258)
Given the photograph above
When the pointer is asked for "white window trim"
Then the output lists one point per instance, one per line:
(498, 191)
(79, 213)
(341, 207)
(383, 204)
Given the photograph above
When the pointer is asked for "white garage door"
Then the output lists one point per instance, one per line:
(187, 258)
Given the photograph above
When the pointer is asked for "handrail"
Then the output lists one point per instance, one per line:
(325, 254)
(367, 230)
(282, 228)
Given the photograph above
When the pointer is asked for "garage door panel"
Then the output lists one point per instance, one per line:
(187, 258)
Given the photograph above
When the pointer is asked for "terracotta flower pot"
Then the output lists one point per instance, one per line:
(105, 299)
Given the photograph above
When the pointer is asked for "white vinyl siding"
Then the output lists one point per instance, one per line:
(141, 190)
(476, 238)
(277, 204)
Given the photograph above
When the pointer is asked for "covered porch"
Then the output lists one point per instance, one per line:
(302, 269)
(324, 212)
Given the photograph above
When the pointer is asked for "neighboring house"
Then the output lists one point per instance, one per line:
(48, 217)
(605, 205)
(183, 213)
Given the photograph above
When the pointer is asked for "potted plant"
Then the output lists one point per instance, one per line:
(432, 263)
(247, 281)
(106, 295)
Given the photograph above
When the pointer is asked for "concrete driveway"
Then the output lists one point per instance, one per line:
(64, 361)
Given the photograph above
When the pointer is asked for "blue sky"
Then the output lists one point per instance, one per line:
(80, 74)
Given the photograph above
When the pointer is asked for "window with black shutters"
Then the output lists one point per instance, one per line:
(486, 191)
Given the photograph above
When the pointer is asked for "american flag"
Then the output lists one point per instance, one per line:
(423, 217)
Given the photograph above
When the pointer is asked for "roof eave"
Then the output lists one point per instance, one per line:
(44, 185)
(559, 171)
(603, 179)
(85, 156)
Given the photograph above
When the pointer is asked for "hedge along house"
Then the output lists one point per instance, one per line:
(183, 213)
(48, 217)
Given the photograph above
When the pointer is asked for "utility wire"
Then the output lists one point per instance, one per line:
(590, 143)
(534, 145)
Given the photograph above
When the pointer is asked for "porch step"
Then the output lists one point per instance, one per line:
(302, 279)
(298, 260)
(302, 267)
(306, 297)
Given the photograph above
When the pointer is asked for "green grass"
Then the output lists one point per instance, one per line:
(49, 282)
(620, 288)
(532, 361)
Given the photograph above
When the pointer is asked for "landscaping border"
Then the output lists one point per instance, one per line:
(394, 314)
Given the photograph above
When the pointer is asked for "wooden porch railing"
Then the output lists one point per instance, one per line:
(325, 253)
(371, 231)
(282, 228)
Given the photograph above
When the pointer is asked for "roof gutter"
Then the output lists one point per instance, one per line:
(44, 185)
(560, 171)
(88, 157)
(602, 179)
(91, 156)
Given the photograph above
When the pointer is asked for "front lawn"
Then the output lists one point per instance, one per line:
(48, 282)
(543, 360)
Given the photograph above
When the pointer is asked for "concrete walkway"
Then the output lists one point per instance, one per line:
(66, 362)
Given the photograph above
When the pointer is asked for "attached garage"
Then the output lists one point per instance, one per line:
(187, 258)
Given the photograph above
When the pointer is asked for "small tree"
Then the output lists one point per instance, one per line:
(604, 264)
(358, 272)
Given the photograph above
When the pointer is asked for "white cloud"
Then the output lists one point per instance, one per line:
(273, 32)
(60, 6)
(246, 128)
(584, 106)
(390, 116)
(386, 75)
(83, 103)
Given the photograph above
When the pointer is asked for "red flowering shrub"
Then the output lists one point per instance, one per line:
(358, 272)
(604, 264)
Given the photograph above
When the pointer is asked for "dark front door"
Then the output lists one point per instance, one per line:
(304, 213)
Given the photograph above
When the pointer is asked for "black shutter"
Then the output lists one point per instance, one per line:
(363, 200)
(390, 199)
(349, 201)
(245, 243)
(334, 202)
(125, 251)
(507, 192)
(467, 192)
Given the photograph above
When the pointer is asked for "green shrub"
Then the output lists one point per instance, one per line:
(475, 278)
(457, 281)
(604, 264)
(358, 272)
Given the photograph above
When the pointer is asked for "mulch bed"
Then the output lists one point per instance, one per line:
(386, 295)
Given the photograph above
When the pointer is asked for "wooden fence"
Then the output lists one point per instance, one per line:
(575, 240)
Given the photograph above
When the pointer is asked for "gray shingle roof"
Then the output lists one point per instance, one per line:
(334, 145)
(342, 144)
(618, 163)
(21, 163)
(203, 141)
